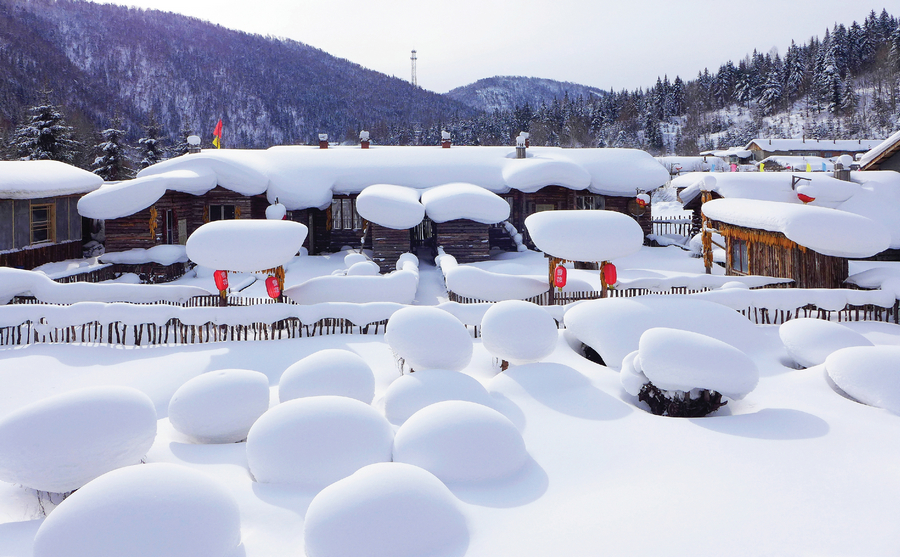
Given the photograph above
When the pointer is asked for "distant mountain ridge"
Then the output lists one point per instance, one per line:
(508, 92)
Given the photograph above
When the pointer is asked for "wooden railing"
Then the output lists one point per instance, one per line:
(681, 227)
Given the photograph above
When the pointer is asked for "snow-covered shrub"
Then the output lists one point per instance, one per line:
(869, 374)
(429, 338)
(460, 441)
(144, 511)
(220, 406)
(386, 510)
(410, 393)
(316, 441)
(685, 374)
(328, 372)
(809, 341)
(518, 332)
(62, 442)
(363, 268)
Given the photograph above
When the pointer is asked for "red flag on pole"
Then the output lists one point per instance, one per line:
(217, 135)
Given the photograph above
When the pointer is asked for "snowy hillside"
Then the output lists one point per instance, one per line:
(509, 92)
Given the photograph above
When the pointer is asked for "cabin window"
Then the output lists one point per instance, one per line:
(739, 262)
(42, 219)
(221, 212)
(170, 227)
(533, 207)
(590, 202)
(344, 215)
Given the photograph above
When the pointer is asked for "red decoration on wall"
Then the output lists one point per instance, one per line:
(609, 274)
(559, 276)
(221, 280)
(272, 287)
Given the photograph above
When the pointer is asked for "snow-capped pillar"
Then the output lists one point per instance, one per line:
(445, 139)
(520, 147)
(323, 141)
(526, 136)
(364, 139)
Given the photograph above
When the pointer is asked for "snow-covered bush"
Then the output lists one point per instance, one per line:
(144, 511)
(220, 406)
(410, 393)
(518, 332)
(460, 441)
(62, 442)
(386, 510)
(429, 338)
(869, 374)
(328, 372)
(316, 441)
(809, 341)
(685, 374)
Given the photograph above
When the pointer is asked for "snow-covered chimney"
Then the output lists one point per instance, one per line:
(526, 135)
(193, 142)
(323, 141)
(842, 167)
(445, 139)
(520, 147)
(364, 139)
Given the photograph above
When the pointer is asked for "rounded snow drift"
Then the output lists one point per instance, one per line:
(464, 201)
(460, 441)
(328, 372)
(410, 393)
(869, 374)
(386, 510)
(316, 441)
(429, 338)
(245, 245)
(220, 406)
(585, 235)
(631, 375)
(518, 331)
(353, 258)
(144, 511)
(363, 268)
(62, 442)
(276, 211)
(390, 206)
(810, 341)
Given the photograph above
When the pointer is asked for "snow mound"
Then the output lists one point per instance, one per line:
(144, 511)
(328, 372)
(353, 258)
(245, 245)
(62, 442)
(482, 284)
(36, 179)
(410, 393)
(363, 268)
(164, 255)
(460, 441)
(676, 360)
(391, 206)
(613, 326)
(869, 374)
(220, 406)
(276, 211)
(585, 235)
(359, 516)
(810, 341)
(464, 201)
(429, 338)
(316, 441)
(519, 332)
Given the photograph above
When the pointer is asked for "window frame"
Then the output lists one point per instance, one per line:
(344, 215)
(740, 256)
(221, 212)
(49, 225)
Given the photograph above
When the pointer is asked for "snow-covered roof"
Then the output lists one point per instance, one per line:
(890, 144)
(680, 165)
(739, 152)
(36, 179)
(801, 163)
(303, 176)
(827, 231)
(802, 144)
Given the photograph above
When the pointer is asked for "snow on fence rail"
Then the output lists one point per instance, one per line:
(680, 226)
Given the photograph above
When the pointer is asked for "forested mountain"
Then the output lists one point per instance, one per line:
(508, 92)
(101, 61)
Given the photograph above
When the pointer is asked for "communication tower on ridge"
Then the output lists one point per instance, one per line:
(413, 59)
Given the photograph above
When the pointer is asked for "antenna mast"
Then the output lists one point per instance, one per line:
(413, 59)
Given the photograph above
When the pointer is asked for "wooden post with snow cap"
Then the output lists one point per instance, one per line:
(706, 235)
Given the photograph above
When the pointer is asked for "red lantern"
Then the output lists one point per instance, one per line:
(272, 287)
(805, 198)
(221, 280)
(559, 276)
(609, 274)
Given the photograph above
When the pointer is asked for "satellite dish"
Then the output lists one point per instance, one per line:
(193, 140)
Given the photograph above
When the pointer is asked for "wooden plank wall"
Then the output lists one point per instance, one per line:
(387, 246)
(466, 240)
(35, 257)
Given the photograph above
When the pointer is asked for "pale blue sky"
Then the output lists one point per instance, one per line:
(621, 44)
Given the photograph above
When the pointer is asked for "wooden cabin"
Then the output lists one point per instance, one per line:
(803, 147)
(885, 156)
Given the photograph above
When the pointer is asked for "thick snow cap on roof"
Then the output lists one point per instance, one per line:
(464, 201)
(245, 245)
(879, 149)
(390, 206)
(36, 179)
(803, 144)
(826, 231)
(585, 235)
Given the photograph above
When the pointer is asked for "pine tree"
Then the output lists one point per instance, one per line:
(45, 136)
(151, 146)
(112, 163)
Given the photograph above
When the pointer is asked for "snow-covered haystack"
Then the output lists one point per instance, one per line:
(585, 235)
(410, 393)
(429, 338)
(464, 201)
(245, 245)
(316, 441)
(870, 374)
(144, 511)
(62, 442)
(613, 326)
(809, 341)
(460, 441)
(220, 406)
(386, 510)
(684, 374)
(518, 332)
(390, 206)
(328, 372)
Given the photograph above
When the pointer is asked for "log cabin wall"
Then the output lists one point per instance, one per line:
(63, 232)
(130, 232)
(628, 206)
(466, 240)
(388, 244)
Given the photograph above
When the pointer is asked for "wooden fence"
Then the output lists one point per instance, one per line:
(550, 298)
(765, 316)
(680, 227)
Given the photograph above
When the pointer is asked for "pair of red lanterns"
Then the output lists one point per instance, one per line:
(608, 270)
(272, 287)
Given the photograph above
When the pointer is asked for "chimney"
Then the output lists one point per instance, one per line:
(323, 141)
(364, 139)
(520, 147)
(445, 139)
(193, 142)
(526, 135)
(842, 167)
